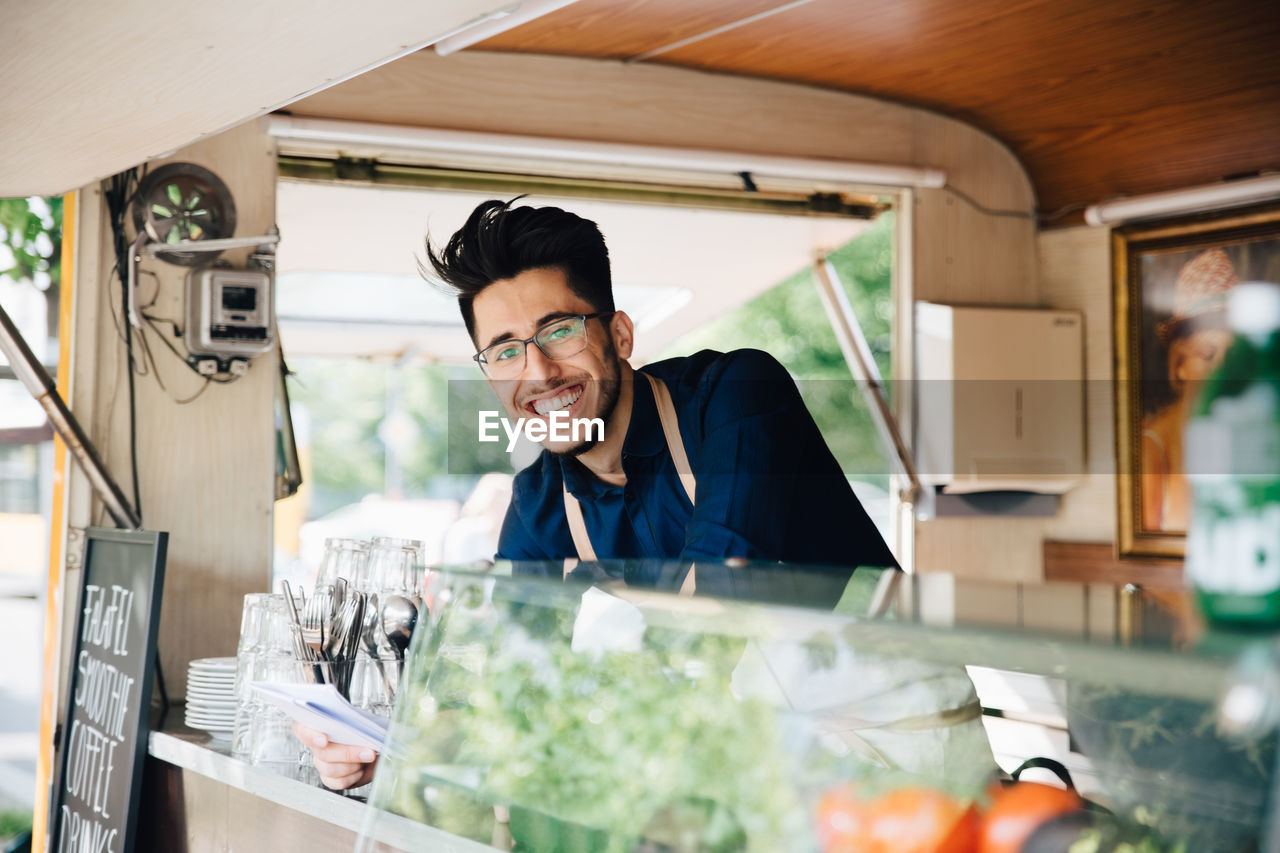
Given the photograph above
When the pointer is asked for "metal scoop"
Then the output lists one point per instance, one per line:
(399, 615)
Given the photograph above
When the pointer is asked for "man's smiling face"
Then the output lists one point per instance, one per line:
(585, 385)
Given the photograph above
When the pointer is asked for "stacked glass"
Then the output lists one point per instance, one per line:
(395, 567)
(267, 651)
(346, 559)
(263, 734)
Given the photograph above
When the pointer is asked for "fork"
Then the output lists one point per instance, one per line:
(317, 625)
(315, 617)
(341, 640)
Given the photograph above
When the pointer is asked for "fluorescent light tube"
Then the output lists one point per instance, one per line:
(1194, 200)
(605, 153)
(496, 22)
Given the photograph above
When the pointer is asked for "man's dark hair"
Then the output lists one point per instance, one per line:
(499, 241)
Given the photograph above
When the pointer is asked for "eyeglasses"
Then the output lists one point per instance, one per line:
(558, 340)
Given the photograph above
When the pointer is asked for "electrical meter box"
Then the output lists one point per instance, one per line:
(999, 398)
(230, 313)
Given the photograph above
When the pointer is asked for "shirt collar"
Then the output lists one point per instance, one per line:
(580, 482)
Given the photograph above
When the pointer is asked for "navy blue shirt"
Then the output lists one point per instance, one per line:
(768, 487)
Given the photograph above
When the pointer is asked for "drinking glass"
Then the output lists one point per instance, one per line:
(415, 545)
(394, 566)
(343, 558)
(375, 683)
(269, 740)
(248, 648)
(268, 654)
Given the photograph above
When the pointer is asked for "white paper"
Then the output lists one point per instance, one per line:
(606, 623)
(321, 707)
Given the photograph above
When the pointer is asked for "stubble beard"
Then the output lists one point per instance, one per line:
(609, 391)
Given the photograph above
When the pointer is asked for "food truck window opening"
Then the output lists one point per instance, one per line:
(695, 270)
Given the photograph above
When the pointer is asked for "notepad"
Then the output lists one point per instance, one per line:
(321, 707)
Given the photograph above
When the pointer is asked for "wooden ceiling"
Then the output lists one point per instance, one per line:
(1097, 98)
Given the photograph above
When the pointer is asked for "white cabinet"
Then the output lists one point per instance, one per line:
(999, 397)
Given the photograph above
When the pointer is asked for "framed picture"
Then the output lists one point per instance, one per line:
(1171, 285)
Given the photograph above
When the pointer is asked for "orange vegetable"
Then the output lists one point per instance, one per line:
(920, 820)
(841, 822)
(1018, 809)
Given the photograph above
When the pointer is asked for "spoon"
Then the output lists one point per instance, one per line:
(368, 630)
(368, 627)
(399, 615)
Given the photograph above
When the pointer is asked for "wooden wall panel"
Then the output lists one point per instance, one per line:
(963, 256)
(209, 469)
(1003, 549)
(996, 605)
(1055, 608)
(1075, 273)
(206, 469)
(1101, 610)
(1096, 562)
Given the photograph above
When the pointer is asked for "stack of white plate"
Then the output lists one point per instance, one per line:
(211, 696)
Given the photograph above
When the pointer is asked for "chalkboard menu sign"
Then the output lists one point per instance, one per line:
(104, 731)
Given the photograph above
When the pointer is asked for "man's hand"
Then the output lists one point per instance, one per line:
(340, 765)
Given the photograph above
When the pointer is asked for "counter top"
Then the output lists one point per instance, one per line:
(197, 752)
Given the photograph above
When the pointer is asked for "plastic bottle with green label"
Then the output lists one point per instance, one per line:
(1232, 459)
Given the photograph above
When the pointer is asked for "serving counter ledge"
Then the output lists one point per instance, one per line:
(198, 798)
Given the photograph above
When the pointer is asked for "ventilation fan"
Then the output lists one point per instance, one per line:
(184, 214)
(183, 202)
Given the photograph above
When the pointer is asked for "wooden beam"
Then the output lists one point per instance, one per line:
(1097, 562)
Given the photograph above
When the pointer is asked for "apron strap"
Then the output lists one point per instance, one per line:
(671, 429)
(690, 584)
(578, 527)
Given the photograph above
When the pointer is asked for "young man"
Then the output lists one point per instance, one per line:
(709, 457)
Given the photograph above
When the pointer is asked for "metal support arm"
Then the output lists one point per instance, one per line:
(853, 343)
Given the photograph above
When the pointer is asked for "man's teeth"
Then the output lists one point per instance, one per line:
(559, 401)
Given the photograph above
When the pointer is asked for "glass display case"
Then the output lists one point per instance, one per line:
(634, 706)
